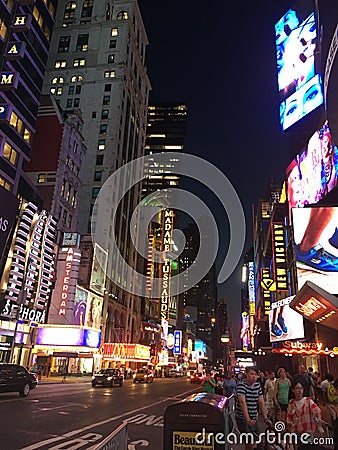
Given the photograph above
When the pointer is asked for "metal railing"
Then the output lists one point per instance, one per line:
(117, 440)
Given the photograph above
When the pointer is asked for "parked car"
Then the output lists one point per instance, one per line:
(108, 377)
(197, 377)
(143, 375)
(15, 378)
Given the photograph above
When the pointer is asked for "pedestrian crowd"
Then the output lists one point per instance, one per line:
(305, 402)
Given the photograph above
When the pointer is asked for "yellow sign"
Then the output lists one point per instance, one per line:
(188, 440)
(268, 284)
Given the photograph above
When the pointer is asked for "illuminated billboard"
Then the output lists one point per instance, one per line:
(99, 268)
(68, 336)
(87, 308)
(299, 81)
(313, 173)
(284, 322)
(316, 246)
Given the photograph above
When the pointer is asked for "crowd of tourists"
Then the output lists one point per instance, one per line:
(305, 402)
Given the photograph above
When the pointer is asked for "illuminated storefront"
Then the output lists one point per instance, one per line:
(123, 354)
(74, 347)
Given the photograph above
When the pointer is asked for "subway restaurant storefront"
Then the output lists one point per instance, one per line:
(130, 356)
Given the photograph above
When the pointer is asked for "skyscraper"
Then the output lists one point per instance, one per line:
(97, 64)
(25, 30)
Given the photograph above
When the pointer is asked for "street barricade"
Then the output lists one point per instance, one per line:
(117, 440)
(200, 422)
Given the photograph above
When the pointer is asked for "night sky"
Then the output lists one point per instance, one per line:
(219, 57)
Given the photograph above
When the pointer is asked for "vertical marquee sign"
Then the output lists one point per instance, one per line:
(280, 267)
(168, 218)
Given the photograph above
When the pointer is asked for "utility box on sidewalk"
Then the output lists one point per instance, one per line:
(196, 423)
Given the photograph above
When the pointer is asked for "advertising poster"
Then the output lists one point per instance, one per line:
(284, 322)
(314, 171)
(188, 440)
(316, 246)
(80, 306)
(94, 311)
(99, 267)
(299, 82)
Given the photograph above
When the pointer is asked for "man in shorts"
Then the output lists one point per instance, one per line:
(249, 398)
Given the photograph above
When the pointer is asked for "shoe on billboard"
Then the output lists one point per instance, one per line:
(316, 259)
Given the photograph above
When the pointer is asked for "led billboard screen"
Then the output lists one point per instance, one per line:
(313, 173)
(284, 322)
(316, 246)
(299, 80)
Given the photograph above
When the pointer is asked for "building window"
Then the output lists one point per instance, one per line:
(64, 43)
(94, 115)
(57, 80)
(107, 87)
(60, 64)
(76, 78)
(95, 192)
(122, 15)
(106, 100)
(16, 122)
(97, 175)
(69, 103)
(111, 58)
(10, 154)
(70, 219)
(71, 90)
(3, 28)
(101, 144)
(69, 11)
(76, 102)
(87, 8)
(104, 114)
(73, 201)
(103, 129)
(112, 43)
(59, 91)
(109, 73)
(99, 160)
(64, 218)
(78, 89)
(79, 62)
(6, 184)
(114, 32)
(82, 43)
(42, 178)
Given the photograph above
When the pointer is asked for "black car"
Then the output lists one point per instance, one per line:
(15, 378)
(108, 377)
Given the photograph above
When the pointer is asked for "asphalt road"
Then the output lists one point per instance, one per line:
(77, 416)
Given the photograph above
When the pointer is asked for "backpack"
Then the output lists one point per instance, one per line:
(332, 396)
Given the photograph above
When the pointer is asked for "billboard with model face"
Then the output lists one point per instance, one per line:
(314, 172)
(299, 80)
(316, 246)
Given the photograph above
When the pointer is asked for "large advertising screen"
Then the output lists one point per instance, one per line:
(87, 308)
(314, 171)
(316, 246)
(284, 322)
(299, 80)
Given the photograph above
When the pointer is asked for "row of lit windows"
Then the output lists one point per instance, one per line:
(81, 43)
(68, 192)
(40, 21)
(73, 79)
(87, 11)
(19, 126)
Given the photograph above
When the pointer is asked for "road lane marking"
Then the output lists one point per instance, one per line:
(97, 424)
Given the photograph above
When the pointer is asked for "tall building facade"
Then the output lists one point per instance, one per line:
(97, 64)
(166, 132)
(25, 32)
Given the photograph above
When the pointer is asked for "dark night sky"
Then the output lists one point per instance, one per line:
(219, 57)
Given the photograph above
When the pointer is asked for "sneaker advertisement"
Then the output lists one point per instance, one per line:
(316, 246)
(284, 322)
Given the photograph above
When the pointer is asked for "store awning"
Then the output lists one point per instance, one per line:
(316, 305)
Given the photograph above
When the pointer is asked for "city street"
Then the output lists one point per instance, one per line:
(73, 416)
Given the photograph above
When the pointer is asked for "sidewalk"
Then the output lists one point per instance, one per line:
(57, 379)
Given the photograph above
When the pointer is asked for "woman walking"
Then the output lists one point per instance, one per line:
(281, 394)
